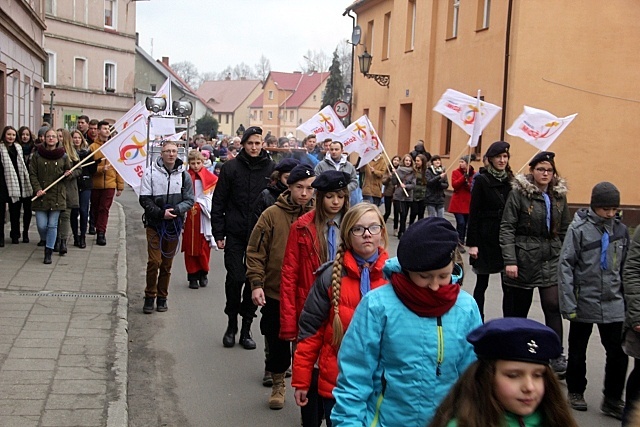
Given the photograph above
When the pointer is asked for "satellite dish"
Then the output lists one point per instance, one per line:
(355, 35)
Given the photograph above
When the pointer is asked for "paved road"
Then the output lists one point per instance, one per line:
(180, 374)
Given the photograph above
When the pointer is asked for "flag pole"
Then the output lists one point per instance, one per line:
(394, 169)
(528, 161)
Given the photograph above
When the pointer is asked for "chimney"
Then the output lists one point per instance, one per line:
(165, 60)
(137, 38)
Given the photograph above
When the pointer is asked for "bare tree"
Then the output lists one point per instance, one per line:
(209, 75)
(263, 68)
(315, 61)
(242, 71)
(344, 57)
(187, 72)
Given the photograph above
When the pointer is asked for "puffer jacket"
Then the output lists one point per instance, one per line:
(631, 281)
(461, 198)
(104, 179)
(372, 182)
(524, 238)
(160, 189)
(265, 251)
(344, 165)
(45, 167)
(587, 292)
(316, 322)
(388, 360)
(408, 177)
(73, 197)
(435, 187)
(301, 261)
(240, 182)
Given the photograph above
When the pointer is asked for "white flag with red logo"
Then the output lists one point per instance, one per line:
(127, 153)
(539, 127)
(136, 112)
(165, 92)
(471, 114)
(360, 137)
(324, 124)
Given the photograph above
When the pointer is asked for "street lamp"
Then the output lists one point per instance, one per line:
(365, 65)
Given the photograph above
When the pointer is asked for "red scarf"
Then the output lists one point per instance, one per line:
(423, 301)
(208, 179)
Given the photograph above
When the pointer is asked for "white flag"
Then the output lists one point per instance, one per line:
(324, 124)
(127, 153)
(161, 126)
(136, 112)
(360, 137)
(539, 127)
(462, 110)
(165, 92)
(175, 136)
(476, 131)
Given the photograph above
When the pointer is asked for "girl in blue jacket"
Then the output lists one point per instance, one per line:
(406, 345)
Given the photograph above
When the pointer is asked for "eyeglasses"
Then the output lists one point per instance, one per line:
(544, 171)
(169, 151)
(358, 230)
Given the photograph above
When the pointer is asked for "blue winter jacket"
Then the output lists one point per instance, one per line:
(387, 361)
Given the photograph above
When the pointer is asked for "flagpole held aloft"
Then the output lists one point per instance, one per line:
(528, 161)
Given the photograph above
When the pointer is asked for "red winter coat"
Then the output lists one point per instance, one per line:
(316, 323)
(301, 260)
(461, 197)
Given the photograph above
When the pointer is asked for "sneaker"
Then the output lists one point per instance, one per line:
(267, 379)
(161, 304)
(559, 366)
(577, 402)
(148, 305)
(395, 232)
(612, 407)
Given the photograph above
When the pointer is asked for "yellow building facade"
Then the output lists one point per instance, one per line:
(561, 56)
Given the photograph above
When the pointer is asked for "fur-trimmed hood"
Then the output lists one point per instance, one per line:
(525, 186)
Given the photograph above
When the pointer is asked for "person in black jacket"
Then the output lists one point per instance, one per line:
(241, 181)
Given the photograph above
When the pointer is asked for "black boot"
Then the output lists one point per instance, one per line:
(56, 245)
(47, 255)
(245, 335)
(229, 339)
(2, 240)
(63, 247)
(25, 236)
(101, 240)
(193, 284)
(161, 304)
(82, 242)
(76, 240)
(148, 305)
(92, 229)
(204, 281)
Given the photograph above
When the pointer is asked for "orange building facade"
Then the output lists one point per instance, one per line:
(563, 57)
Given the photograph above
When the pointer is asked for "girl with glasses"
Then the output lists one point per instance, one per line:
(340, 286)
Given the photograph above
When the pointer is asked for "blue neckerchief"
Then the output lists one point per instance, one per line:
(332, 244)
(365, 280)
(547, 203)
(604, 245)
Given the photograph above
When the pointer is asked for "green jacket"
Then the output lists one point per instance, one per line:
(524, 238)
(532, 420)
(43, 172)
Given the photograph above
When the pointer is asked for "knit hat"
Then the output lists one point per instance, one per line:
(543, 156)
(429, 244)
(43, 130)
(515, 338)
(331, 180)
(253, 130)
(299, 173)
(498, 148)
(287, 164)
(605, 195)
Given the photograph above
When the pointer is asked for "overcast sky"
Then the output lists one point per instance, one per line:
(215, 33)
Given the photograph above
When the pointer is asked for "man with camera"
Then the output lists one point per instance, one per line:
(166, 194)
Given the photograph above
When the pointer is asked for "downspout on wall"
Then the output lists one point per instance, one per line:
(505, 79)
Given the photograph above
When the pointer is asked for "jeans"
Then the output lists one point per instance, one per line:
(435, 210)
(47, 222)
(461, 226)
(83, 212)
(404, 213)
(14, 217)
(372, 199)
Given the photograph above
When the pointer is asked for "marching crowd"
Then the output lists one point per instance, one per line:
(368, 338)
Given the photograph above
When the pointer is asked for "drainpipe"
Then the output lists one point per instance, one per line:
(353, 53)
(505, 82)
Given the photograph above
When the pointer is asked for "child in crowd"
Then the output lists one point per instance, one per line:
(406, 345)
(512, 383)
(389, 189)
(590, 287)
(197, 239)
(437, 182)
(404, 190)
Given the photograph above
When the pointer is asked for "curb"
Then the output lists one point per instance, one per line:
(118, 411)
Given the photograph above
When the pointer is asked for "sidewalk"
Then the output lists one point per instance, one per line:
(63, 332)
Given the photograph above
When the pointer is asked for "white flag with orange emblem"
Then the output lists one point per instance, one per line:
(127, 153)
(539, 127)
(324, 124)
(360, 137)
(136, 112)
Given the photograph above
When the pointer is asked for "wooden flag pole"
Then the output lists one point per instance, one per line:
(394, 169)
(528, 161)
(460, 155)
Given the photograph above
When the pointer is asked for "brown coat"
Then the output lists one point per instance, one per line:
(373, 173)
(104, 179)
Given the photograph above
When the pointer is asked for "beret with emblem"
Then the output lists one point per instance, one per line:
(299, 173)
(331, 180)
(515, 338)
(498, 148)
(287, 164)
(543, 156)
(428, 244)
(253, 130)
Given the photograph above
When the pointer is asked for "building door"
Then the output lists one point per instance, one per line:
(404, 129)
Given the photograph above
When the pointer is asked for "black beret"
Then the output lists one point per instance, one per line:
(331, 180)
(299, 173)
(253, 130)
(543, 156)
(515, 338)
(605, 195)
(497, 148)
(428, 244)
(287, 164)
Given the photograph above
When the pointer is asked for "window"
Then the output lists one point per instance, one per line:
(13, 101)
(226, 119)
(382, 117)
(270, 115)
(386, 36)
(411, 26)
(260, 115)
(49, 72)
(109, 77)
(270, 94)
(291, 116)
(484, 10)
(368, 41)
(445, 145)
(153, 87)
(452, 22)
(110, 13)
(50, 7)
(80, 73)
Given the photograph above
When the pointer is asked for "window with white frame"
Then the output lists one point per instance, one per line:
(270, 94)
(452, 21)
(109, 77)
(50, 7)
(110, 13)
(484, 11)
(411, 26)
(270, 115)
(49, 72)
(80, 72)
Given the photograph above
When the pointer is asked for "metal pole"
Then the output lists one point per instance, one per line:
(51, 109)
